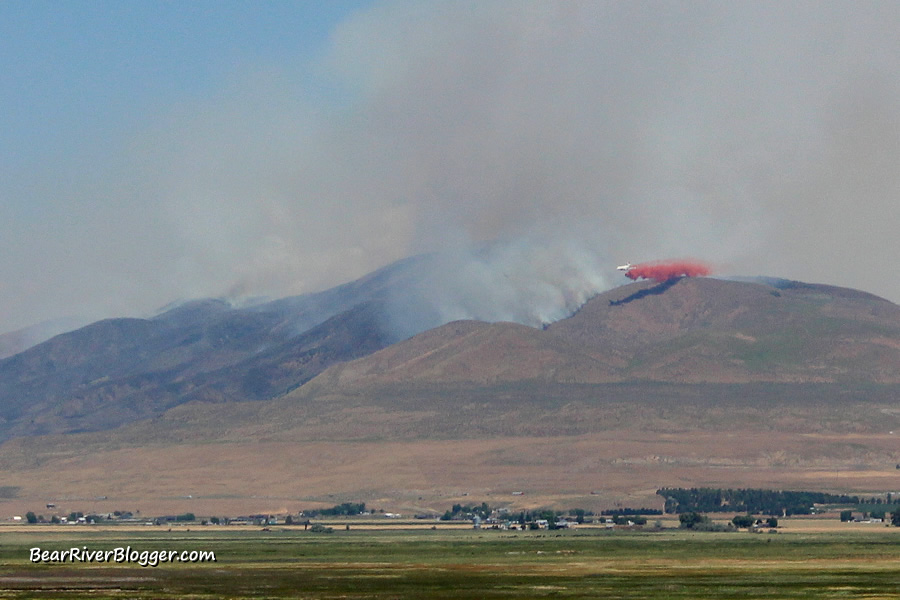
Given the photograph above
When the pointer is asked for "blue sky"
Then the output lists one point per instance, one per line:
(77, 70)
(79, 80)
(157, 151)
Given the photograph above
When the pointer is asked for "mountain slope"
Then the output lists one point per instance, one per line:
(13, 342)
(477, 352)
(697, 382)
(711, 330)
(689, 330)
(119, 370)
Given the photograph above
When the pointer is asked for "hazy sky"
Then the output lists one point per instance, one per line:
(151, 151)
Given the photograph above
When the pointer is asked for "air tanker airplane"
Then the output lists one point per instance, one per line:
(665, 270)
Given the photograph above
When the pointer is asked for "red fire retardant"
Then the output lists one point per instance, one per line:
(668, 269)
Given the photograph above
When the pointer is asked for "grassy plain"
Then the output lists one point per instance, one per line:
(399, 564)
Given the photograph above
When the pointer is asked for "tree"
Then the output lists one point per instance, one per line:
(846, 515)
(772, 522)
(691, 519)
(743, 521)
(345, 508)
(289, 520)
(31, 517)
(895, 518)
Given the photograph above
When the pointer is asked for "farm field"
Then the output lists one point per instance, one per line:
(444, 563)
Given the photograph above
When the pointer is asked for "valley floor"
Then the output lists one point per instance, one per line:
(616, 468)
(291, 563)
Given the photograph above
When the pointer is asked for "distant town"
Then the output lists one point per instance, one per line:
(753, 509)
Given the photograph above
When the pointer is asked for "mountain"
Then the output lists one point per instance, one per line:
(318, 399)
(712, 330)
(20, 340)
(121, 370)
(688, 330)
(477, 352)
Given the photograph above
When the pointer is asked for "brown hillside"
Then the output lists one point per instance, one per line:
(637, 315)
(689, 330)
(476, 352)
(520, 416)
(701, 329)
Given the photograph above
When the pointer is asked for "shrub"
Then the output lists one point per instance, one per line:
(743, 521)
(692, 519)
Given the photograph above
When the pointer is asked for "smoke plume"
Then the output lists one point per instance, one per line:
(532, 146)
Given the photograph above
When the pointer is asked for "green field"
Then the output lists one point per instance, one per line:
(291, 563)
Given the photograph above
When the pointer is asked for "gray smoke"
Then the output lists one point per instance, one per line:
(533, 145)
(523, 280)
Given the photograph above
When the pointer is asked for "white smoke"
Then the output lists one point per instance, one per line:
(532, 145)
(526, 281)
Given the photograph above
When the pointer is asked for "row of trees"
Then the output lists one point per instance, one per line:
(73, 516)
(344, 509)
(460, 511)
(700, 522)
(631, 511)
(484, 511)
(751, 501)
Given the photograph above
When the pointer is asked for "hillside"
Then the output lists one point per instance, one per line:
(476, 352)
(13, 342)
(712, 330)
(120, 370)
(762, 383)
(689, 330)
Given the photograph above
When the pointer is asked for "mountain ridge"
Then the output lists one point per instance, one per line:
(115, 371)
(687, 330)
(693, 382)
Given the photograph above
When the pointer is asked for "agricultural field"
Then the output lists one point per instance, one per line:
(288, 562)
